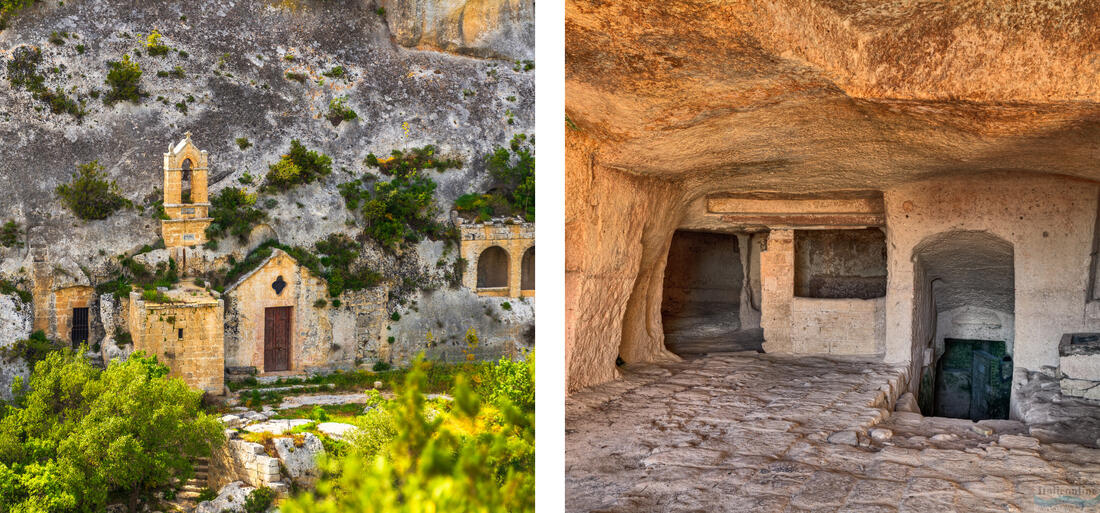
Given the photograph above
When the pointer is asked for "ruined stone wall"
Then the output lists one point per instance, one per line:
(1048, 221)
(198, 356)
(838, 326)
(238, 460)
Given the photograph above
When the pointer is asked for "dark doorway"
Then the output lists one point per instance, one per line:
(79, 333)
(973, 380)
(527, 276)
(700, 309)
(492, 268)
(277, 338)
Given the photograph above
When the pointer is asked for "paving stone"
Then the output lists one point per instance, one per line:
(749, 432)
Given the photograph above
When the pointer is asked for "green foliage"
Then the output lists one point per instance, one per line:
(242, 143)
(395, 316)
(234, 213)
(177, 72)
(206, 494)
(297, 77)
(124, 77)
(380, 366)
(381, 11)
(298, 166)
(131, 273)
(10, 233)
(8, 8)
(403, 209)
(513, 169)
(508, 380)
(338, 253)
(7, 287)
(402, 163)
(320, 303)
(336, 72)
(155, 296)
(506, 306)
(376, 428)
(259, 500)
(32, 349)
(57, 38)
(23, 72)
(90, 195)
(154, 46)
(338, 111)
(471, 456)
(77, 435)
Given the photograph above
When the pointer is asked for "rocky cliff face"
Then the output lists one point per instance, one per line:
(262, 71)
(668, 102)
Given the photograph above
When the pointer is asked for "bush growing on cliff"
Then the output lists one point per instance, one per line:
(154, 46)
(234, 213)
(338, 111)
(513, 169)
(9, 235)
(7, 287)
(403, 209)
(32, 349)
(298, 166)
(124, 77)
(90, 195)
(23, 72)
(79, 437)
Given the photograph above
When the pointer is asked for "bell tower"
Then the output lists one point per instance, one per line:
(186, 202)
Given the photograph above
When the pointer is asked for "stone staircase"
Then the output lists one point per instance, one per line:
(188, 494)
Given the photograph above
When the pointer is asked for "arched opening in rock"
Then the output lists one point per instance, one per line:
(492, 268)
(527, 268)
(705, 298)
(965, 304)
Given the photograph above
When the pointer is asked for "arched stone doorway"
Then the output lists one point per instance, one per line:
(492, 268)
(964, 317)
(527, 268)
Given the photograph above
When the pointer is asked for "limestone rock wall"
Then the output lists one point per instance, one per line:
(481, 28)
(15, 324)
(238, 460)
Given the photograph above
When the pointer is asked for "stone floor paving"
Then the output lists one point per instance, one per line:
(751, 432)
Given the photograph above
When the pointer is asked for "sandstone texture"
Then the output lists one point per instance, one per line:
(968, 117)
(751, 432)
(481, 28)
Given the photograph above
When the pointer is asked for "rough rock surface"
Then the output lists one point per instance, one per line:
(336, 430)
(747, 432)
(481, 28)
(276, 427)
(298, 455)
(230, 498)
(15, 324)
(668, 102)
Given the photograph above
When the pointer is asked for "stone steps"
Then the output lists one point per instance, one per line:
(187, 495)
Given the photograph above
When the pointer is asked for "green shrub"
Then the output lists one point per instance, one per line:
(32, 349)
(153, 45)
(234, 213)
(206, 494)
(124, 77)
(432, 462)
(259, 500)
(298, 166)
(177, 72)
(395, 316)
(297, 77)
(23, 73)
(10, 234)
(506, 306)
(376, 428)
(320, 303)
(90, 195)
(8, 8)
(401, 163)
(336, 72)
(7, 288)
(57, 38)
(513, 168)
(242, 143)
(338, 111)
(380, 366)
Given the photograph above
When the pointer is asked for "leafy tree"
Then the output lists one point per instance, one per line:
(476, 458)
(234, 213)
(79, 436)
(90, 194)
(299, 166)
